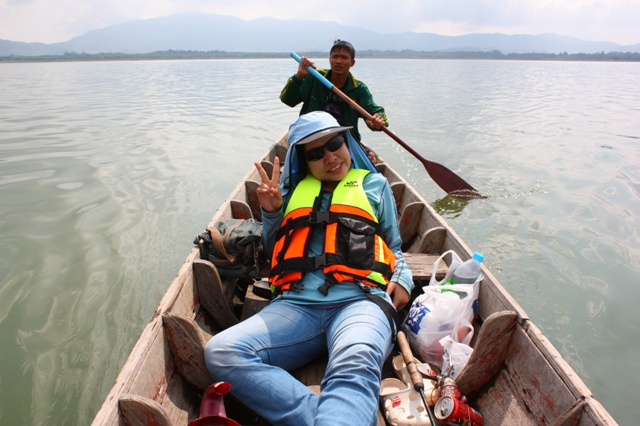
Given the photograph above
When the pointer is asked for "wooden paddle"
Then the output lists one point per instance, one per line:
(447, 180)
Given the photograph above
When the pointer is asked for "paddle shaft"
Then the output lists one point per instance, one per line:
(445, 178)
(416, 376)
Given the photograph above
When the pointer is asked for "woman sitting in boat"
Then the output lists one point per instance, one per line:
(331, 226)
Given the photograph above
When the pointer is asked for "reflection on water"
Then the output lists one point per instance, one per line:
(452, 204)
(108, 170)
(449, 206)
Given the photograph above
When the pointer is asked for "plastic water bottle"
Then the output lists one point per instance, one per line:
(469, 271)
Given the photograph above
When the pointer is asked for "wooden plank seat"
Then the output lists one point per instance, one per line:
(251, 188)
(432, 240)
(252, 303)
(489, 352)
(240, 210)
(267, 166)
(136, 410)
(397, 189)
(187, 341)
(409, 222)
(421, 266)
(279, 151)
(414, 237)
(213, 295)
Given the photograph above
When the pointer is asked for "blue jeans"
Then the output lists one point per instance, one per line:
(256, 355)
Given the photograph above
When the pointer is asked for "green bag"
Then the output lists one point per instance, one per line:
(234, 247)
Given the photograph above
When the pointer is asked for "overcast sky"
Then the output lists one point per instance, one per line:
(50, 21)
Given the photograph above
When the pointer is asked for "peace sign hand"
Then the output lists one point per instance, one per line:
(269, 193)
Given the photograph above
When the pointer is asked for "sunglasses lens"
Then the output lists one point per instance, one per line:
(317, 153)
(334, 144)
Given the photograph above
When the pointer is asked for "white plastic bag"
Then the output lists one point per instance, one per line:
(456, 355)
(441, 311)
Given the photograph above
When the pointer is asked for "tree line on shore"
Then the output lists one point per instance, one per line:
(382, 54)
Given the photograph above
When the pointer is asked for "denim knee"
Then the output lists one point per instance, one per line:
(217, 354)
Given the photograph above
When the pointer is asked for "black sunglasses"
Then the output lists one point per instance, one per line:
(317, 153)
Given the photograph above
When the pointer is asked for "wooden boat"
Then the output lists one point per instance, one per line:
(514, 377)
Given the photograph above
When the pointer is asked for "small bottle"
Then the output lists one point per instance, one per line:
(469, 271)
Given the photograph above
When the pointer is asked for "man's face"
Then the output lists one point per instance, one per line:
(341, 61)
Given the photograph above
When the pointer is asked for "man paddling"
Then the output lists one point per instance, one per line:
(302, 87)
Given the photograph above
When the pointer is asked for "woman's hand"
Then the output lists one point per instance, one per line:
(399, 295)
(269, 193)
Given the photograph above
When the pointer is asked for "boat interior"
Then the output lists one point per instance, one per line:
(514, 376)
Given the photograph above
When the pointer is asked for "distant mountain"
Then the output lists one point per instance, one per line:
(8, 48)
(207, 32)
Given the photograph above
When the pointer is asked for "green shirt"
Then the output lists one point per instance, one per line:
(313, 94)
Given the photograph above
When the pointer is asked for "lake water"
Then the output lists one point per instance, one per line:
(108, 170)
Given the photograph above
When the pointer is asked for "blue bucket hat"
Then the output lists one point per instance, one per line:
(311, 127)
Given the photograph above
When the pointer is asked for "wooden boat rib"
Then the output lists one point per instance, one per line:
(514, 377)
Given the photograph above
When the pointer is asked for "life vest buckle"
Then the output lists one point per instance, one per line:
(319, 261)
(362, 286)
(316, 218)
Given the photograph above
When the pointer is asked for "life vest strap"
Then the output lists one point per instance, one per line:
(321, 218)
(366, 281)
(290, 224)
(390, 312)
(383, 268)
(388, 309)
(302, 264)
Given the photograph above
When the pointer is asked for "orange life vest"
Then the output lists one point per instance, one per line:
(354, 249)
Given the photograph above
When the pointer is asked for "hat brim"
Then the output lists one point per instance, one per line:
(322, 133)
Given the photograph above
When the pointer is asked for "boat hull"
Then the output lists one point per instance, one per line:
(519, 378)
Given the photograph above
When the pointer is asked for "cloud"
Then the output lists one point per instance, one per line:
(615, 20)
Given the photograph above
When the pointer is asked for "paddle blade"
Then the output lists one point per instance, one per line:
(450, 182)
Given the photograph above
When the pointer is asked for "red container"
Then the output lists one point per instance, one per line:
(453, 411)
(450, 388)
(212, 412)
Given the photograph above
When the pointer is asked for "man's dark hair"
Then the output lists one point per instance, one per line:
(341, 44)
